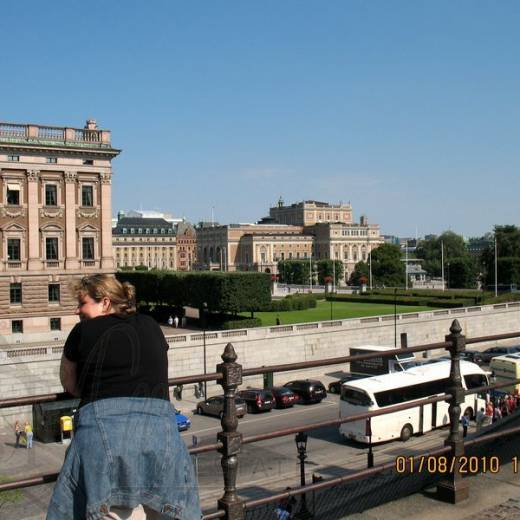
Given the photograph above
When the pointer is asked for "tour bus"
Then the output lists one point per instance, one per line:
(506, 368)
(375, 393)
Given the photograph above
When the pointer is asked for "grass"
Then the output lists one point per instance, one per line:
(340, 310)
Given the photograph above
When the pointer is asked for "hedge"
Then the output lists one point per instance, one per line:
(241, 324)
(222, 292)
(294, 303)
(400, 300)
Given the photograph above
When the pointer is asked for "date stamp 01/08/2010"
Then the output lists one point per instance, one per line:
(464, 465)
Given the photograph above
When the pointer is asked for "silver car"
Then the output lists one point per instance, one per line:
(215, 406)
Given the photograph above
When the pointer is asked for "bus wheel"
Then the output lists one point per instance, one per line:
(406, 432)
(469, 412)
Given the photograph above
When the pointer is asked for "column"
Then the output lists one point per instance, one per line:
(33, 225)
(71, 240)
(107, 257)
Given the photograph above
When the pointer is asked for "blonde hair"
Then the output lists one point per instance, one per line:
(99, 286)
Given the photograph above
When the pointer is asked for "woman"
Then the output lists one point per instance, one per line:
(126, 449)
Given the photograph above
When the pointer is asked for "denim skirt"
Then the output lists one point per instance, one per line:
(126, 451)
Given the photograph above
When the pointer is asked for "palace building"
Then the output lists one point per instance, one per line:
(55, 223)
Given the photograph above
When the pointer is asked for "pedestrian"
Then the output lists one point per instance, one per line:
(183, 322)
(489, 409)
(176, 322)
(278, 320)
(170, 321)
(28, 435)
(481, 418)
(126, 451)
(18, 433)
(497, 414)
(465, 425)
(285, 507)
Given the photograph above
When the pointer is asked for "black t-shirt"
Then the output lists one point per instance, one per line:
(119, 356)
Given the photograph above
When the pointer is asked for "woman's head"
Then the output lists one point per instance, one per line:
(102, 294)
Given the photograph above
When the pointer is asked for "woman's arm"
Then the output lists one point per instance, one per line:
(68, 376)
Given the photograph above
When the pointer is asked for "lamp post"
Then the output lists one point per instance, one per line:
(496, 267)
(395, 317)
(301, 446)
(204, 310)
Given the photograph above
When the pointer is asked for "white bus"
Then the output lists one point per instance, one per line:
(376, 393)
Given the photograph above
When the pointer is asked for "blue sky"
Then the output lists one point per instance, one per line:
(407, 109)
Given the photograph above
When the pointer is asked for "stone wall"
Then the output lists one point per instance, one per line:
(32, 370)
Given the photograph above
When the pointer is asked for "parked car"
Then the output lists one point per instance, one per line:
(257, 399)
(335, 386)
(283, 397)
(308, 390)
(492, 352)
(215, 406)
(472, 355)
(183, 423)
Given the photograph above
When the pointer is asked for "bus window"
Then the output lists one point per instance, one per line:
(475, 380)
(355, 397)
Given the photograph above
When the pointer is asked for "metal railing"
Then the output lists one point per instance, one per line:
(229, 375)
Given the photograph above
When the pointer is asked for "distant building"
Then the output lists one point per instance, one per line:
(186, 246)
(55, 218)
(329, 233)
(310, 212)
(148, 242)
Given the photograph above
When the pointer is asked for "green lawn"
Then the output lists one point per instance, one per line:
(340, 310)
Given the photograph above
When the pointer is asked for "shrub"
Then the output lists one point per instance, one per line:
(247, 323)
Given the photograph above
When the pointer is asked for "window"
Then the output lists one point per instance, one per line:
(55, 323)
(54, 293)
(13, 194)
(88, 248)
(87, 196)
(51, 248)
(13, 249)
(13, 158)
(17, 326)
(51, 195)
(356, 397)
(15, 293)
(52, 160)
(88, 162)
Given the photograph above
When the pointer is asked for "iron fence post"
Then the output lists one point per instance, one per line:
(230, 438)
(453, 488)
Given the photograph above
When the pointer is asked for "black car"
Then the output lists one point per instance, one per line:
(335, 386)
(283, 397)
(257, 400)
(492, 352)
(308, 390)
(472, 355)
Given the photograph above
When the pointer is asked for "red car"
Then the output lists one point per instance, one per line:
(283, 397)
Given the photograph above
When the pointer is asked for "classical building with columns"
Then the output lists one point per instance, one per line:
(300, 231)
(55, 223)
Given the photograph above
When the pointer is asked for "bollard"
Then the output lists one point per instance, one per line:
(453, 488)
(230, 438)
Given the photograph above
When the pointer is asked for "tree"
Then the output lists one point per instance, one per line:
(295, 271)
(508, 256)
(463, 273)
(359, 274)
(387, 267)
(329, 268)
(431, 252)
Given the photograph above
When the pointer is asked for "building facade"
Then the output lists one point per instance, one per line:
(330, 233)
(144, 242)
(55, 223)
(186, 246)
(310, 212)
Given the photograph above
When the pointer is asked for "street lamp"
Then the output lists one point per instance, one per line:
(301, 445)
(395, 317)
(204, 311)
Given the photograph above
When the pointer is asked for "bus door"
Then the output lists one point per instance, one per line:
(434, 415)
(426, 417)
